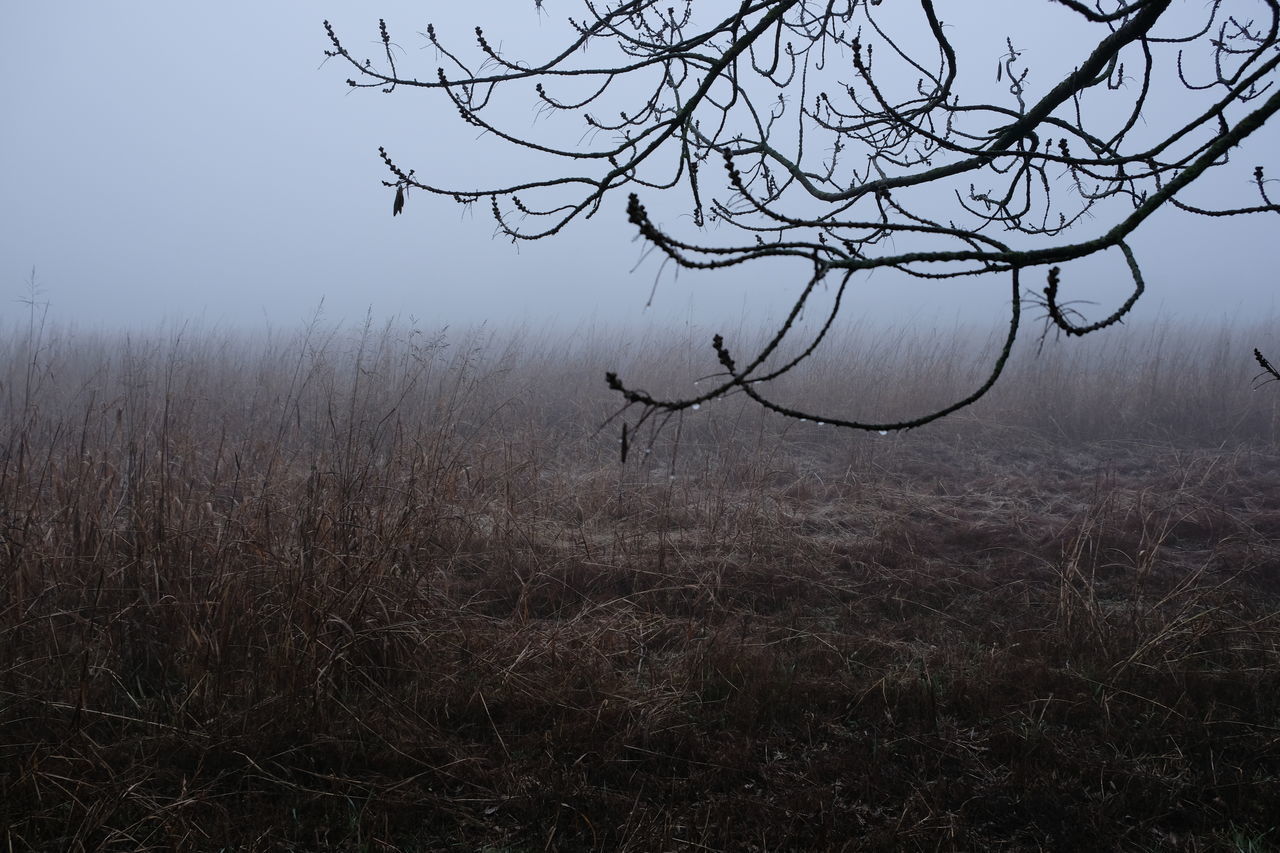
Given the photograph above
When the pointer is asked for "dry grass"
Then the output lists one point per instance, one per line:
(392, 591)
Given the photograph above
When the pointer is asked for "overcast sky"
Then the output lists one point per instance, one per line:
(170, 161)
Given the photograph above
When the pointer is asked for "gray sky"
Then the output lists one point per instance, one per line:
(172, 161)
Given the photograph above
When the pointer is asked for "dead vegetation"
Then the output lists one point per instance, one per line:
(393, 591)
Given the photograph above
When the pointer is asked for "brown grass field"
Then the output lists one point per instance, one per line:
(386, 590)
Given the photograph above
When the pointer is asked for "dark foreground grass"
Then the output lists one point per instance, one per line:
(394, 592)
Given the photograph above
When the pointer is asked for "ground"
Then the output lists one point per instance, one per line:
(395, 592)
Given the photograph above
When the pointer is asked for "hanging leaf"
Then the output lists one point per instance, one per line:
(399, 205)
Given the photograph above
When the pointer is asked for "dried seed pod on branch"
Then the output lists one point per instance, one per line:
(857, 135)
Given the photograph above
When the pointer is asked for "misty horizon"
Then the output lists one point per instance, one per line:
(206, 164)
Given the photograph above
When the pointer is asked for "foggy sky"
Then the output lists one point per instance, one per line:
(163, 162)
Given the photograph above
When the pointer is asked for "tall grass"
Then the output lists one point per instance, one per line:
(391, 588)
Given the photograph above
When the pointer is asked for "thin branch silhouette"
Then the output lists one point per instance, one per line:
(830, 133)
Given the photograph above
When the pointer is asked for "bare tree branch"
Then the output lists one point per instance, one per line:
(849, 140)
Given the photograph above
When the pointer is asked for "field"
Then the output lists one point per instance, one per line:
(390, 589)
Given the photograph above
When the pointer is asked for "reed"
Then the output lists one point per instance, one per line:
(388, 588)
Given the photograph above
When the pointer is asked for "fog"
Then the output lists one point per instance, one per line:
(165, 163)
